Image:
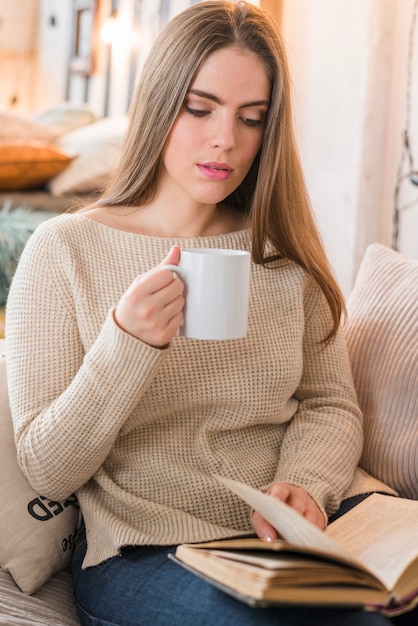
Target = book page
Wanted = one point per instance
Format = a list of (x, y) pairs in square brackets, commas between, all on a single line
[(382, 533), (291, 525)]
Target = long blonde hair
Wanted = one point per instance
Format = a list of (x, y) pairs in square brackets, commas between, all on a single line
[(273, 194)]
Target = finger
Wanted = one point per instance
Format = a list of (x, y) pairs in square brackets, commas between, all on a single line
[(158, 308), (294, 496), (149, 304), (315, 516), (281, 491), (155, 327), (173, 308), (263, 529), (300, 500), (172, 258), (156, 280)]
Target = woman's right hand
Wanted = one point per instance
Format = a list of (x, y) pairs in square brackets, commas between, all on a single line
[(151, 309)]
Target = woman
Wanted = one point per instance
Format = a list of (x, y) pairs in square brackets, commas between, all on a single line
[(110, 402)]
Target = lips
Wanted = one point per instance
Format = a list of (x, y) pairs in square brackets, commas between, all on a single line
[(216, 171), (218, 166)]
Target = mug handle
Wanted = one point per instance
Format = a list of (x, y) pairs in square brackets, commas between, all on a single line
[(173, 268)]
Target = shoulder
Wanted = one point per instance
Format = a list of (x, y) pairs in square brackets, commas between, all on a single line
[(61, 230), (300, 287), (57, 240), (54, 226), (288, 272)]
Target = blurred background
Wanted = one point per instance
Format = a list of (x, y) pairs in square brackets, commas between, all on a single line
[(354, 65)]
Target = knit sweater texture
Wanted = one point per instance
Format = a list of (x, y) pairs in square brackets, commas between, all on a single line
[(137, 432)]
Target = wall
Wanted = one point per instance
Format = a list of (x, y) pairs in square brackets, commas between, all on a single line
[(405, 117), (54, 85), (18, 49), (55, 24), (348, 60)]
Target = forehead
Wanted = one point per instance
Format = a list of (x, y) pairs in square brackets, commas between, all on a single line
[(233, 69)]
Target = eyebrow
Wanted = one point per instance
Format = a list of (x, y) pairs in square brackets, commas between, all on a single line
[(210, 96)]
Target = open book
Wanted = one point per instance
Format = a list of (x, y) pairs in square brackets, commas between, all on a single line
[(368, 557)]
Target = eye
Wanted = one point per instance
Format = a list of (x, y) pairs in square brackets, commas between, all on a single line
[(196, 112), (250, 122)]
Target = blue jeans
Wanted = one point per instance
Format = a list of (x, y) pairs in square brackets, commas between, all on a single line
[(144, 587)]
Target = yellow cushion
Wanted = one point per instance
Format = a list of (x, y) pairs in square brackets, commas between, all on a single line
[(29, 164)]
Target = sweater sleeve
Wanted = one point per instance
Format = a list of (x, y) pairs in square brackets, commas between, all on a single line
[(323, 441), (68, 406)]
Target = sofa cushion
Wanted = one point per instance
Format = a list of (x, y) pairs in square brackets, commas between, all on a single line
[(64, 117), (382, 337), (96, 148), (36, 534), (28, 164), (15, 229), (52, 605), (14, 127)]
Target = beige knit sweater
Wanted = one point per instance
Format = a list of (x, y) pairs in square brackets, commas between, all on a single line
[(136, 431)]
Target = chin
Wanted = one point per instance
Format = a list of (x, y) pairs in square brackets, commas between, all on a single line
[(211, 199)]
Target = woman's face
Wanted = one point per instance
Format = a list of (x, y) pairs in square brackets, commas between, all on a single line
[(219, 129)]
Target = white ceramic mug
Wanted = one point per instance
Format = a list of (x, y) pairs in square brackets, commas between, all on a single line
[(217, 288)]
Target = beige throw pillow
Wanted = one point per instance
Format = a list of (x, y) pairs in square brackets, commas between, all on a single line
[(16, 127), (382, 336), (36, 534)]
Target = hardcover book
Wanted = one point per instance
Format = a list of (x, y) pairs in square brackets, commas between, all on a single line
[(366, 558)]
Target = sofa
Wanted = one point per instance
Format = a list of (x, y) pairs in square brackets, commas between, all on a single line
[(51, 158), (53, 161), (36, 535)]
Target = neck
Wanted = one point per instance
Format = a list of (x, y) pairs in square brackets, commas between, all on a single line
[(169, 220), (193, 221)]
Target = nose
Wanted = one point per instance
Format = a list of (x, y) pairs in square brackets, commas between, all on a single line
[(223, 133)]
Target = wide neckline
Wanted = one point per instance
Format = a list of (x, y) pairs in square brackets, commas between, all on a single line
[(232, 234)]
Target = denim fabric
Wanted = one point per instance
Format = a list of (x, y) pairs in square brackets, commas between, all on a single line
[(144, 587)]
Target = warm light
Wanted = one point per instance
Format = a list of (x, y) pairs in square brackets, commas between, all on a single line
[(109, 30), (117, 31)]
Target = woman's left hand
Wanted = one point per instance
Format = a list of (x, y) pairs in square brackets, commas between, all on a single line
[(298, 499)]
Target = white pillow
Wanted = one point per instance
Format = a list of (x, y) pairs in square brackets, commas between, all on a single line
[(96, 148), (382, 337), (65, 117), (36, 534)]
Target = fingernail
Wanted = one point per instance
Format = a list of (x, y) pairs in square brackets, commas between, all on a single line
[(268, 537)]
